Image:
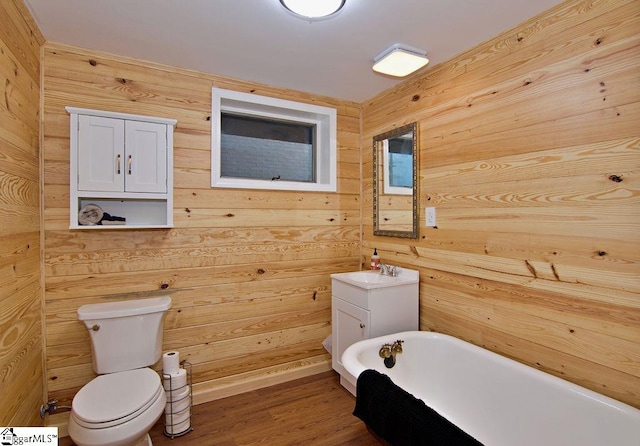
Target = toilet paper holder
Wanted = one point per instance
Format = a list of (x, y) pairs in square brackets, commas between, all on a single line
[(179, 402)]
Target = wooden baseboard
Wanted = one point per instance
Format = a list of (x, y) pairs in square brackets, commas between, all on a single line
[(246, 382)]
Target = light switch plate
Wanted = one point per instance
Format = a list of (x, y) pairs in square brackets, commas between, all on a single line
[(430, 212)]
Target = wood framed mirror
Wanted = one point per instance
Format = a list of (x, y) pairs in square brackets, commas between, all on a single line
[(395, 182)]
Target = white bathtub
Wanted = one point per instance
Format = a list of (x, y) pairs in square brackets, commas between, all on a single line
[(498, 401)]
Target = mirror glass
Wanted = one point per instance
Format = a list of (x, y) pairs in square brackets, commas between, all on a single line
[(395, 182)]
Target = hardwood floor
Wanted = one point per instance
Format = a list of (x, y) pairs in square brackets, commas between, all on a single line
[(310, 411)]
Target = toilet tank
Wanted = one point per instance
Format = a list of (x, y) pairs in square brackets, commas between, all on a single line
[(125, 335)]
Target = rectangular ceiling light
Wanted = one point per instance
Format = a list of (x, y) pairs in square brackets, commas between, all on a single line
[(400, 60)]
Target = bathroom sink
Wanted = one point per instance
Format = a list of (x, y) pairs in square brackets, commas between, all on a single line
[(368, 277), (373, 279)]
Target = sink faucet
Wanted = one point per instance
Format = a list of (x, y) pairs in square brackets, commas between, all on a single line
[(388, 270)]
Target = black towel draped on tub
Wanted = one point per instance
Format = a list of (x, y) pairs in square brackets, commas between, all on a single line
[(402, 419)]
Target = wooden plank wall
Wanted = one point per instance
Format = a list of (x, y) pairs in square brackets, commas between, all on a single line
[(530, 152), (248, 270), (21, 360)]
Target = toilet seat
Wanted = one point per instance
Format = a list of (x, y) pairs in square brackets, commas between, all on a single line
[(115, 398)]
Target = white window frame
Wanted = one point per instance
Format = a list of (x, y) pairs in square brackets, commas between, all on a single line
[(324, 118)]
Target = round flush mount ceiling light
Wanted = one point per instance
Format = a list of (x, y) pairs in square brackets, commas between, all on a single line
[(313, 9)]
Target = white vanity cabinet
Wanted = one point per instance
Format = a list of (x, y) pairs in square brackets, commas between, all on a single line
[(122, 163), (364, 305)]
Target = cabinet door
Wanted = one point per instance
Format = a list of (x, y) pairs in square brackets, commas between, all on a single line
[(146, 157), (350, 325), (100, 154)]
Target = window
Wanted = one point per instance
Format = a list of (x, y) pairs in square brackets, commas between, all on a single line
[(265, 143), (398, 165)]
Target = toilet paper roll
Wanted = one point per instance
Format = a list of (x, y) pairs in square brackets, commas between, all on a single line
[(178, 406), (175, 381), (170, 363), (178, 428), (177, 418), (176, 396)]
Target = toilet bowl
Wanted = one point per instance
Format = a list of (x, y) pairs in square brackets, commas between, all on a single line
[(117, 409), (121, 405)]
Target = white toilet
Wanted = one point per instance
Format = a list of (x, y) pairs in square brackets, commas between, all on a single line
[(119, 407)]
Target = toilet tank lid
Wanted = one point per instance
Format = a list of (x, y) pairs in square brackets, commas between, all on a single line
[(124, 308)]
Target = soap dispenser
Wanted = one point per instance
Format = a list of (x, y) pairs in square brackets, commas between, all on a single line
[(375, 260)]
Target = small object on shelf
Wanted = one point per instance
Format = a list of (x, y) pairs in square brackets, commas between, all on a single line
[(90, 215), (108, 219)]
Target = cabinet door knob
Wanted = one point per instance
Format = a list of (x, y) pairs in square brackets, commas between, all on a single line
[(129, 164), (118, 163), (362, 325)]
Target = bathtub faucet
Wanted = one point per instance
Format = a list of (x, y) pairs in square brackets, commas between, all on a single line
[(388, 270), (389, 351)]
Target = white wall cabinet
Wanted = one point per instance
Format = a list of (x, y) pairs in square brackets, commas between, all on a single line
[(364, 310), (122, 163)]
